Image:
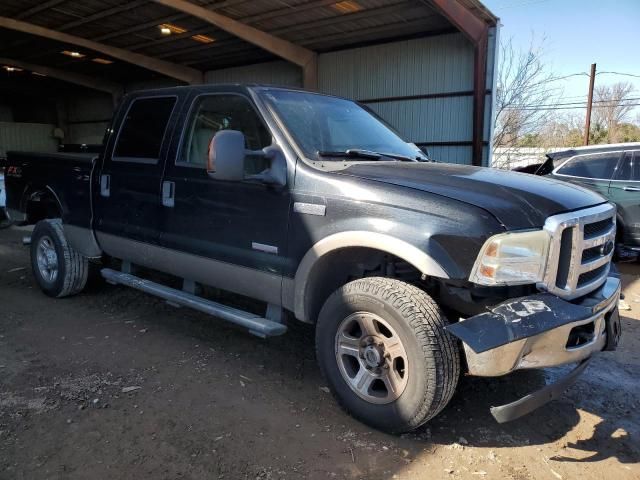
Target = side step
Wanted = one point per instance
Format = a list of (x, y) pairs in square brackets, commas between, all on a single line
[(258, 326)]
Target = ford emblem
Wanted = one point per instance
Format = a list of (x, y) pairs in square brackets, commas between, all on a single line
[(606, 249)]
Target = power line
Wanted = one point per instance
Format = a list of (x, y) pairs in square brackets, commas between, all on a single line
[(621, 101), (563, 108), (620, 73)]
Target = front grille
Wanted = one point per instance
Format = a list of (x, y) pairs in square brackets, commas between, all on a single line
[(597, 228), (593, 275), (581, 250)]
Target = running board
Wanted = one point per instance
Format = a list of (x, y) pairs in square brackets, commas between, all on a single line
[(256, 325)]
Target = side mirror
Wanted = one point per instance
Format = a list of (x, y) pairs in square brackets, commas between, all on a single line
[(276, 174), (226, 155)]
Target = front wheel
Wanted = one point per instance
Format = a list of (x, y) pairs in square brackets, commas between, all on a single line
[(382, 347), (59, 270)]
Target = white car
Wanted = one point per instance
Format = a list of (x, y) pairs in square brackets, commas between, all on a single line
[(4, 220)]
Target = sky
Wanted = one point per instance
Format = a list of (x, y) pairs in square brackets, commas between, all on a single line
[(578, 33)]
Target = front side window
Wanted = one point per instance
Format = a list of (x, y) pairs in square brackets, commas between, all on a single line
[(595, 165), (143, 129), (630, 167), (321, 123), (214, 113)]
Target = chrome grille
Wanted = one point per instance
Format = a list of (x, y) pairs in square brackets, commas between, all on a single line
[(578, 263)]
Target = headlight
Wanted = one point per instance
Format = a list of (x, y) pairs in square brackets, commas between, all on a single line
[(512, 259)]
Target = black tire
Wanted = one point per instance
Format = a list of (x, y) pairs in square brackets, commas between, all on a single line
[(433, 355), (72, 268)]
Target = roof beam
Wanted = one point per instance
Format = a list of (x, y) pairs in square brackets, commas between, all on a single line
[(373, 12), (305, 58), (102, 14), (38, 8), (280, 12), (75, 78), (464, 20), (180, 72), (169, 19)]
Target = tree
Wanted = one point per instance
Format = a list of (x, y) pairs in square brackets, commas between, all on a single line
[(612, 108), (524, 93)]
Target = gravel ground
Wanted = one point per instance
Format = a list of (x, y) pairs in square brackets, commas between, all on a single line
[(116, 384)]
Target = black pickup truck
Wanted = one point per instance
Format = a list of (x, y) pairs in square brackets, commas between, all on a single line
[(410, 270)]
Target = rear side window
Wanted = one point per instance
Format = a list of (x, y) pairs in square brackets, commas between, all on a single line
[(143, 130), (595, 165), (630, 167)]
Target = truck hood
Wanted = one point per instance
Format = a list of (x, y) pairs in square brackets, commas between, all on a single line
[(517, 200)]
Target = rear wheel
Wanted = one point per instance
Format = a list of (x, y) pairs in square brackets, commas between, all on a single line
[(382, 347), (59, 270)]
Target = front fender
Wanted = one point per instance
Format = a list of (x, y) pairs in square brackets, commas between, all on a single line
[(363, 239)]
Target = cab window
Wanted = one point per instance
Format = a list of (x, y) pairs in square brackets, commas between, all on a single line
[(214, 113), (594, 165)]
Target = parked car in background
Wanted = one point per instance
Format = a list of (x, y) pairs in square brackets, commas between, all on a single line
[(4, 219), (611, 170)]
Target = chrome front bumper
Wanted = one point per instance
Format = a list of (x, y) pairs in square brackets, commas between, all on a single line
[(538, 331)]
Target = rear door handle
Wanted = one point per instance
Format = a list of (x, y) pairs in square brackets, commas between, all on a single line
[(105, 185), (631, 189), (168, 194)]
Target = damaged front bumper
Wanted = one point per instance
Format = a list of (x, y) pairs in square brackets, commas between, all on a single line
[(540, 331)]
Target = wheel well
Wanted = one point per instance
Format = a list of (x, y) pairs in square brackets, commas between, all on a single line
[(41, 204), (619, 229), (344, 265)]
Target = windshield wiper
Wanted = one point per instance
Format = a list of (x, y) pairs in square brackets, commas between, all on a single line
[(352, 152), (357, 152)]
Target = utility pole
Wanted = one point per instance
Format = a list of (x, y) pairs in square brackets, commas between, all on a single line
[(587, 123)]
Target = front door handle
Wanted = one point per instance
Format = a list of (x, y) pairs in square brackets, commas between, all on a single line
[(631, 189), (105, 185), (168, 194)]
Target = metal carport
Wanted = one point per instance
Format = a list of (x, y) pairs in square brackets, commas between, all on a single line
[(424, 65)]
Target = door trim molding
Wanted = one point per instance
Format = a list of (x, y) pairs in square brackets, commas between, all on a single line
[(246, 281)]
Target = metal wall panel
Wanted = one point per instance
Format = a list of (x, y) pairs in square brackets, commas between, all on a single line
[(430, 120), (425, 66), (450, 154), (455, 154), (30, 137), (87, 118), (271, 73), (89, 133), (439, 64)]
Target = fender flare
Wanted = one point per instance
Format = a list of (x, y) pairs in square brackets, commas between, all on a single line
[(30, 190), (378, 241)]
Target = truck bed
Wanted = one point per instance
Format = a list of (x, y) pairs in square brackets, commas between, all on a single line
[(27, 174)]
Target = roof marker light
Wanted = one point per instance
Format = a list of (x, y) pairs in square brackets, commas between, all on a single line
[(169, 28), (347, 6)]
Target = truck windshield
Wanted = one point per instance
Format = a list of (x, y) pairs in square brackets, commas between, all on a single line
[(333, 128)]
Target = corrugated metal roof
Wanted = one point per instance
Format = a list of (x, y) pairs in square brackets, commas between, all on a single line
[(133, 24)]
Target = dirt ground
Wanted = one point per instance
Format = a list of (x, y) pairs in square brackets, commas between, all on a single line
[(116, 384)]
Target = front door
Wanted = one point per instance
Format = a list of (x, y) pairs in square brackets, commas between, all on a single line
[(624, 191), (230, 234), (128, 205)]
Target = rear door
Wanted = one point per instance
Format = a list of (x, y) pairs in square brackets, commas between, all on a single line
[(128, 206), (624, 191)]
